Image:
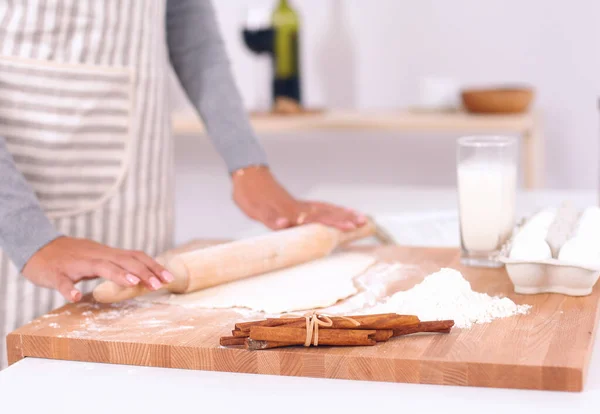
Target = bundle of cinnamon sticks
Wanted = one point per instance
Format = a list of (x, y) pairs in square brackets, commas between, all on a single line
[(315, 330)]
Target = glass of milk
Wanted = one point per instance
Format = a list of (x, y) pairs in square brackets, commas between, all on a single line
[(487, 184)]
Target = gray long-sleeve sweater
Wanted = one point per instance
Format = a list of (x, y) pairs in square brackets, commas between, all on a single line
[(198, 56)]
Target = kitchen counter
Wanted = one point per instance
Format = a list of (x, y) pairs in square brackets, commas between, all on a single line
[(64, 386)]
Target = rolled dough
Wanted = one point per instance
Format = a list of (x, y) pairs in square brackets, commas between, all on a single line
[(313, 285)]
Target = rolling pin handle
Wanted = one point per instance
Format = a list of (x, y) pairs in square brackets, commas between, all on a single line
[(110, 292), (179, 270)]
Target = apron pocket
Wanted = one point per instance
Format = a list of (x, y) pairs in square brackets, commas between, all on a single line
[(68, 128)]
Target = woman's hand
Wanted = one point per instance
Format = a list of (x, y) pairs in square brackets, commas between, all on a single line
[(66, 260), (262, 198)]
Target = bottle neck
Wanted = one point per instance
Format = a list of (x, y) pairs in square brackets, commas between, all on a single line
[(283, 4)]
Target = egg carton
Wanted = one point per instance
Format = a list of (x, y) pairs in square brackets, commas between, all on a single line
[(549, 275)]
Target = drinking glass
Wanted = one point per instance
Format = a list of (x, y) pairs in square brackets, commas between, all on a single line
[(487, 183)]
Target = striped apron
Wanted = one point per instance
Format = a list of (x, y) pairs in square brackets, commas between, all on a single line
[(84, 113)]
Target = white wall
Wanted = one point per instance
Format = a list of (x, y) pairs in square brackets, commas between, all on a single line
[(370, 54)]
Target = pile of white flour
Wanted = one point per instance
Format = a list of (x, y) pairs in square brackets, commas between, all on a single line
[(447, 295)]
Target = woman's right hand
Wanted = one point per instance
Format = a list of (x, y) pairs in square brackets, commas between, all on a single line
[(65, 261)]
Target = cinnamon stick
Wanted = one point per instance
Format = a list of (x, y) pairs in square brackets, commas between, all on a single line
[(297, 336), (379, 321), (245, 326), (231, 341), (254, 345), (266, 337), (370, 322), (382, 335), (432, 326)]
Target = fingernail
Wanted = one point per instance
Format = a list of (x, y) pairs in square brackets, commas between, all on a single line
[(361, 219), (154, 283), (350, 225), (75, 295), (133, 280), (167, 276), (282, 222)]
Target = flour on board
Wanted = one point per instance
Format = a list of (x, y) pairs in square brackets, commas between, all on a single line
[(447, 295)]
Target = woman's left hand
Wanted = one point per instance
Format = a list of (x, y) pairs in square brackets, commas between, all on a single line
[(262, 198)]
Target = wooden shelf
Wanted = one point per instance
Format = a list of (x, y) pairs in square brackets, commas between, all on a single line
[(527, 125), (189, 123)]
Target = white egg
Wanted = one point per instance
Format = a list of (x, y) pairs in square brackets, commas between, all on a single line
[(540, 222), (532, 232), (591, 213), (543, 218), (588, 225), (530, 248), (588, 232), (580, 251)]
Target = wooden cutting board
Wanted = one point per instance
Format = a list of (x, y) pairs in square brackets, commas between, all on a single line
[(548, 349)]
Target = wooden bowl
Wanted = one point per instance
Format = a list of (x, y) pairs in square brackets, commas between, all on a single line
[(506, 100)]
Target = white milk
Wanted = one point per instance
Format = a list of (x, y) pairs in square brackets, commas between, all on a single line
[(486, 196)]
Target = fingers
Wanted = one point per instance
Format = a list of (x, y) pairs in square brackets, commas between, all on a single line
[(110, 271), (124, 267), (274, 217), (282, 223), (359, 218), (66, 288), (262, 198), (143, 268), (281, 216), (277, 221), (333, 221), (162, 273), (274, 208), (338, 217), (65, 261)]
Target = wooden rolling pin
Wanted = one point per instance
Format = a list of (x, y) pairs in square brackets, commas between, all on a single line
[(222, 263)]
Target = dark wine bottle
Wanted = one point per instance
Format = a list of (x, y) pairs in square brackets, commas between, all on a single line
[(286, 53)]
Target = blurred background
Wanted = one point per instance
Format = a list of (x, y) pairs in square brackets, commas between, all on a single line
[(405, 57)]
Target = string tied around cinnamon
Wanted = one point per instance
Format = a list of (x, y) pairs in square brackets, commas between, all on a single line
[(316, 320)]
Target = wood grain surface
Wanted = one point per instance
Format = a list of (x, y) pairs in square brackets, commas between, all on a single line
[(548, 349)]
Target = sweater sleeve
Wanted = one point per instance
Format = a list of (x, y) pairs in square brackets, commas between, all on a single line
[(24, 228), (200, 61)]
